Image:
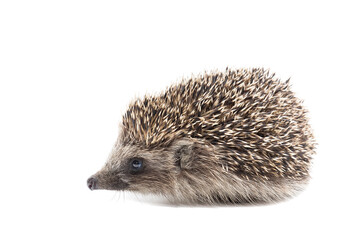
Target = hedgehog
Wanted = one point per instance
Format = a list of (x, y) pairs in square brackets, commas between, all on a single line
[(237, 136)]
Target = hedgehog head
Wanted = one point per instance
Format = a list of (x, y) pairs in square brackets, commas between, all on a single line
[(164, 170)]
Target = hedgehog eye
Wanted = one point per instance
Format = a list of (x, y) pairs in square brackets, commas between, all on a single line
[(136, 164)]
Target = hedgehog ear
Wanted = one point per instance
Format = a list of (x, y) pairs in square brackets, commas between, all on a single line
[(184, 154)]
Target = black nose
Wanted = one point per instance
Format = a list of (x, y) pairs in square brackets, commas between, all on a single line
[(91, 182)]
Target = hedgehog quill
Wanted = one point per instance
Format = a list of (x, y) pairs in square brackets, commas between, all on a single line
[(238, 136)]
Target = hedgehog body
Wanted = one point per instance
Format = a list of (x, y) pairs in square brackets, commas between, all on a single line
[(234, 136)]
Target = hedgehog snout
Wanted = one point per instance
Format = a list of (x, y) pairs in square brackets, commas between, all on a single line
[(91, 183)]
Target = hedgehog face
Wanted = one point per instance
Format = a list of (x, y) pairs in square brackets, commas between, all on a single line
[(169, 171), (136, 168)]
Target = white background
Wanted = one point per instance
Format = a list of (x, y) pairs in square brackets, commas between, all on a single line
[(68, 69)]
